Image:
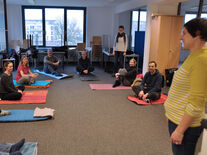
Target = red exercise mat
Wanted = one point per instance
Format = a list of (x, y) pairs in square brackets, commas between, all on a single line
[(37, 96), (107, 87), (141, 102)]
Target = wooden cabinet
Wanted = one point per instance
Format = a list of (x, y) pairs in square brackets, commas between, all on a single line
[(165, 41)]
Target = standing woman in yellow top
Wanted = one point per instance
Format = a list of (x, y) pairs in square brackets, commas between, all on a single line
[(185, 106)]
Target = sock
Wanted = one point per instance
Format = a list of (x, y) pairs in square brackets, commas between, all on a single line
[(15, 153), (17, 146)]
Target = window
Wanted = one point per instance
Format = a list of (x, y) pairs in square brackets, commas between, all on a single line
[(204, 15), (2, 27), (75, 26), (138, 23), (54, 26), (189, 16), (33, 21), (142, 22), (134, 27)]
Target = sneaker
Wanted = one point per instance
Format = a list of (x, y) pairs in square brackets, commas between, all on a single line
[(4, 112), (58, 74), (147, 100), (117, 83)]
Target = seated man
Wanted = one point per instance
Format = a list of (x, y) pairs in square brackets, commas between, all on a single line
[(150, 88), (51, 64), (84, 66)]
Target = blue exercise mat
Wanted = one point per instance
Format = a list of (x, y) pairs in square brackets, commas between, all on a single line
[(37, 83), (22, 116), (53, 76)]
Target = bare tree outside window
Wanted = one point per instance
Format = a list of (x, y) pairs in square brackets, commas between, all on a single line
[(54, 27), (75, 26)]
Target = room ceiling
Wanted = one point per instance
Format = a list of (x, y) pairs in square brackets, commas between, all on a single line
[(86, 3)]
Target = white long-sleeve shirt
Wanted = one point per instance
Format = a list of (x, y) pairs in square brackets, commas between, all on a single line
[(120, 45)]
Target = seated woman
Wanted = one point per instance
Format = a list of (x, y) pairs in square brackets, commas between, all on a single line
[(24, 74), (7, 89), (126, 76)]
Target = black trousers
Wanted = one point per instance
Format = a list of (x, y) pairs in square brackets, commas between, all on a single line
[(81, 69), (124, 81), (13, 95), (151, 95), (118, 61)]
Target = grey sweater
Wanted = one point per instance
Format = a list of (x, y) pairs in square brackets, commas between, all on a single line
[(6, 84), (50, 60)]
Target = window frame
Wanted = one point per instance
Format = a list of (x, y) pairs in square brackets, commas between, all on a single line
[(138, 24), (43, 22)]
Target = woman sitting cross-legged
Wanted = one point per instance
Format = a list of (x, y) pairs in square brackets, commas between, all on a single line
[(126, 76), (24, 74), (7, 89)]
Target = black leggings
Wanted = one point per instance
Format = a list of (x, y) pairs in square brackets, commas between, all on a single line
[(13, 95), (151, 95)]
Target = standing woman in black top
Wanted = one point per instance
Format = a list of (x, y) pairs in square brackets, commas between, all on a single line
[(7, 89)]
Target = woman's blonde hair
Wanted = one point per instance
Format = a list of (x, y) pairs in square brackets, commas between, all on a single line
[(135, 62), (21, 62)]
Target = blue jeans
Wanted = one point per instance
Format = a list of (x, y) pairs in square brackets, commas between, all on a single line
[(50, 69), (190, 139)]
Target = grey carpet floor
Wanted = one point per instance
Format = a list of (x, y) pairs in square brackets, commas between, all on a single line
[(89, 122)]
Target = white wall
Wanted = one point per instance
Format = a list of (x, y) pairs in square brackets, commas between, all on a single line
[(121, 19), (124, 19), (99, 22), (14, 21)]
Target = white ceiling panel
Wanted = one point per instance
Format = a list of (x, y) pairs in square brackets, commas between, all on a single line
[(86, 3)]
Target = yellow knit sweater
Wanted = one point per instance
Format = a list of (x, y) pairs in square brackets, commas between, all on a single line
[(188, 92)]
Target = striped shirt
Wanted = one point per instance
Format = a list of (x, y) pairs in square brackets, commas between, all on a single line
[(188, 92)]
